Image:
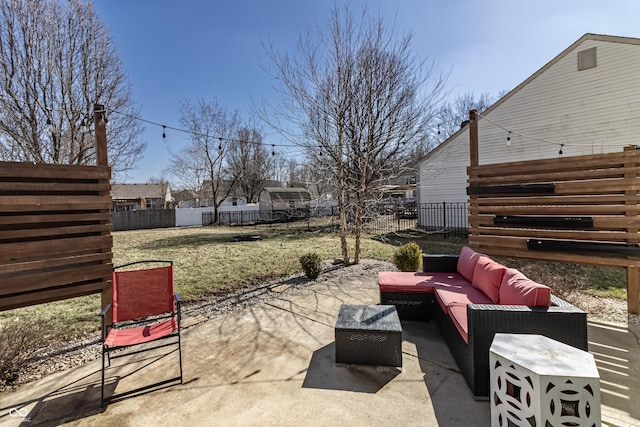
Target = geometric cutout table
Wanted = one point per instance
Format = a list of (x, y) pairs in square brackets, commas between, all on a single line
[(537, 381)]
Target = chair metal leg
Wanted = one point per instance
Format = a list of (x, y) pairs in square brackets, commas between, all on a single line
[(180, 354), (102, 387)]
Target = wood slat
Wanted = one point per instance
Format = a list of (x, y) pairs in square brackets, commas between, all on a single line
[(33, 251), (538, 233), (49, 232), (586, 210), (554, 200), (30, 171), (44, 264), (53, 187), (517, 177), (555, 257), (542, 166), (56, 204), (79, 217), (56, 294), (604, 223), (43, 280)]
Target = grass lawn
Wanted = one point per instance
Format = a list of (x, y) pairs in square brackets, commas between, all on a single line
[(208, 262)]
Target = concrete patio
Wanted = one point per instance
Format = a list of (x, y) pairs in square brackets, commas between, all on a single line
[(273, 364)]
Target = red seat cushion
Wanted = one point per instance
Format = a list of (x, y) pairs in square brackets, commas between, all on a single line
[(487, 277), (451, 296), (517, 289), (138, 335), (397, 281), (458, 314)]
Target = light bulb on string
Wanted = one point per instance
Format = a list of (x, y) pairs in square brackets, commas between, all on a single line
[(164, 133), (560, 152), (439, 129), (220, 146), (273, 149), (509, 138)]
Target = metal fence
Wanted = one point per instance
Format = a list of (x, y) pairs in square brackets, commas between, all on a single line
[(446, 219)]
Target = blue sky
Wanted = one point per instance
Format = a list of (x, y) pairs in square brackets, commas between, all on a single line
[(200, 49)]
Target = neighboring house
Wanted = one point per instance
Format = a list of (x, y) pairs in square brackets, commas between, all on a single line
[(131, 197), (586, 100)]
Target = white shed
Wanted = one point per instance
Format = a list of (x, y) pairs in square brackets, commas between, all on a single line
[(586, 100)]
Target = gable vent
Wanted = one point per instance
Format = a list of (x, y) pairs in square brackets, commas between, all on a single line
[(587, 59)]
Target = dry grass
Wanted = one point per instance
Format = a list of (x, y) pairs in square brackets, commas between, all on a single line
[(207, 262)]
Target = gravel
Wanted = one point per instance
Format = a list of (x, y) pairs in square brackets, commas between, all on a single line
[(59, 357)]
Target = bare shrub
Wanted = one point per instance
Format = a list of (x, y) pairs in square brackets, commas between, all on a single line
[(21, 338)]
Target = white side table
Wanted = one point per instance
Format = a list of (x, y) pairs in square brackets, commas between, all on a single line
[(539, 381)]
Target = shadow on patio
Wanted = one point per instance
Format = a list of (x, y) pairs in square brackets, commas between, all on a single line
[(274, 364)]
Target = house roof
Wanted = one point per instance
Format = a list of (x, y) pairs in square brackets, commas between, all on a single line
[(587, 36), (137, 191)]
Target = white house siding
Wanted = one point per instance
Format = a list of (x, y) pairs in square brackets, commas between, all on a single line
[(591, 111)]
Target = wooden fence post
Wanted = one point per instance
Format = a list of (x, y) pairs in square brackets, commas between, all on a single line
[(100, 125)]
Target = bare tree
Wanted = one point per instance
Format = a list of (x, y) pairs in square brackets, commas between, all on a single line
[(250, 161), (56, 60), (201, 166), (451, 116), (360, 101)]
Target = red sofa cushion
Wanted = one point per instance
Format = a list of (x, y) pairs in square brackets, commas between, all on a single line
[(399, 281), (517, 289), (458, 314), (487, 277), (467, 262), (464, 295)]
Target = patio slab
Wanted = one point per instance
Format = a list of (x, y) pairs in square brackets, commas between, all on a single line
[(273, 364)]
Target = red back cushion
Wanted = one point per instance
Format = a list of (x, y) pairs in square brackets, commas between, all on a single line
[(142, 293), (487, 277), (518, 289), (467, 262)]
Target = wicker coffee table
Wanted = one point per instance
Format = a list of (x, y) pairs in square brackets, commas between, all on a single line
[(369, 335)]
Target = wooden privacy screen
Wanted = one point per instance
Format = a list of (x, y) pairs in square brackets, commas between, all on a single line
[(581, 209), (55, 230)]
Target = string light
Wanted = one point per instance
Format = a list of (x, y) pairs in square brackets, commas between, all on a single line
[(509, 138), (164, 134), (560, 152), (560, 144), (439, 129), (273, 149)]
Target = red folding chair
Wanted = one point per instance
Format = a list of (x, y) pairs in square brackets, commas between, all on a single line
[(144, 309)]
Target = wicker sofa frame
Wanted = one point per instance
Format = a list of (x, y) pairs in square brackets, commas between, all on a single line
[(561, 321)]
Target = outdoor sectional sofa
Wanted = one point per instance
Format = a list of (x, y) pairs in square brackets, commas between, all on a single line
[(472, 297)]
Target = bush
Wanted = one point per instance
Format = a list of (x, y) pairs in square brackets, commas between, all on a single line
[(21, 339), (311, 265), (408, 257)]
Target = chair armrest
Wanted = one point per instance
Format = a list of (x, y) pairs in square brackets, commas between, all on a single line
[(564, 323), (439, 263), (178, 299), (103, 315), (105, 309)]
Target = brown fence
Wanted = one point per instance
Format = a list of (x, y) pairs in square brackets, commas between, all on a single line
[(581, 209), (55, 230), (143, 219)]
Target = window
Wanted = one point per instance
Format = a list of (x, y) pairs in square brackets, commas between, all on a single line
[(587, 59)]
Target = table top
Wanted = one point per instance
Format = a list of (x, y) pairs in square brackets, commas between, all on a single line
[(369, 317), (544, 356)]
